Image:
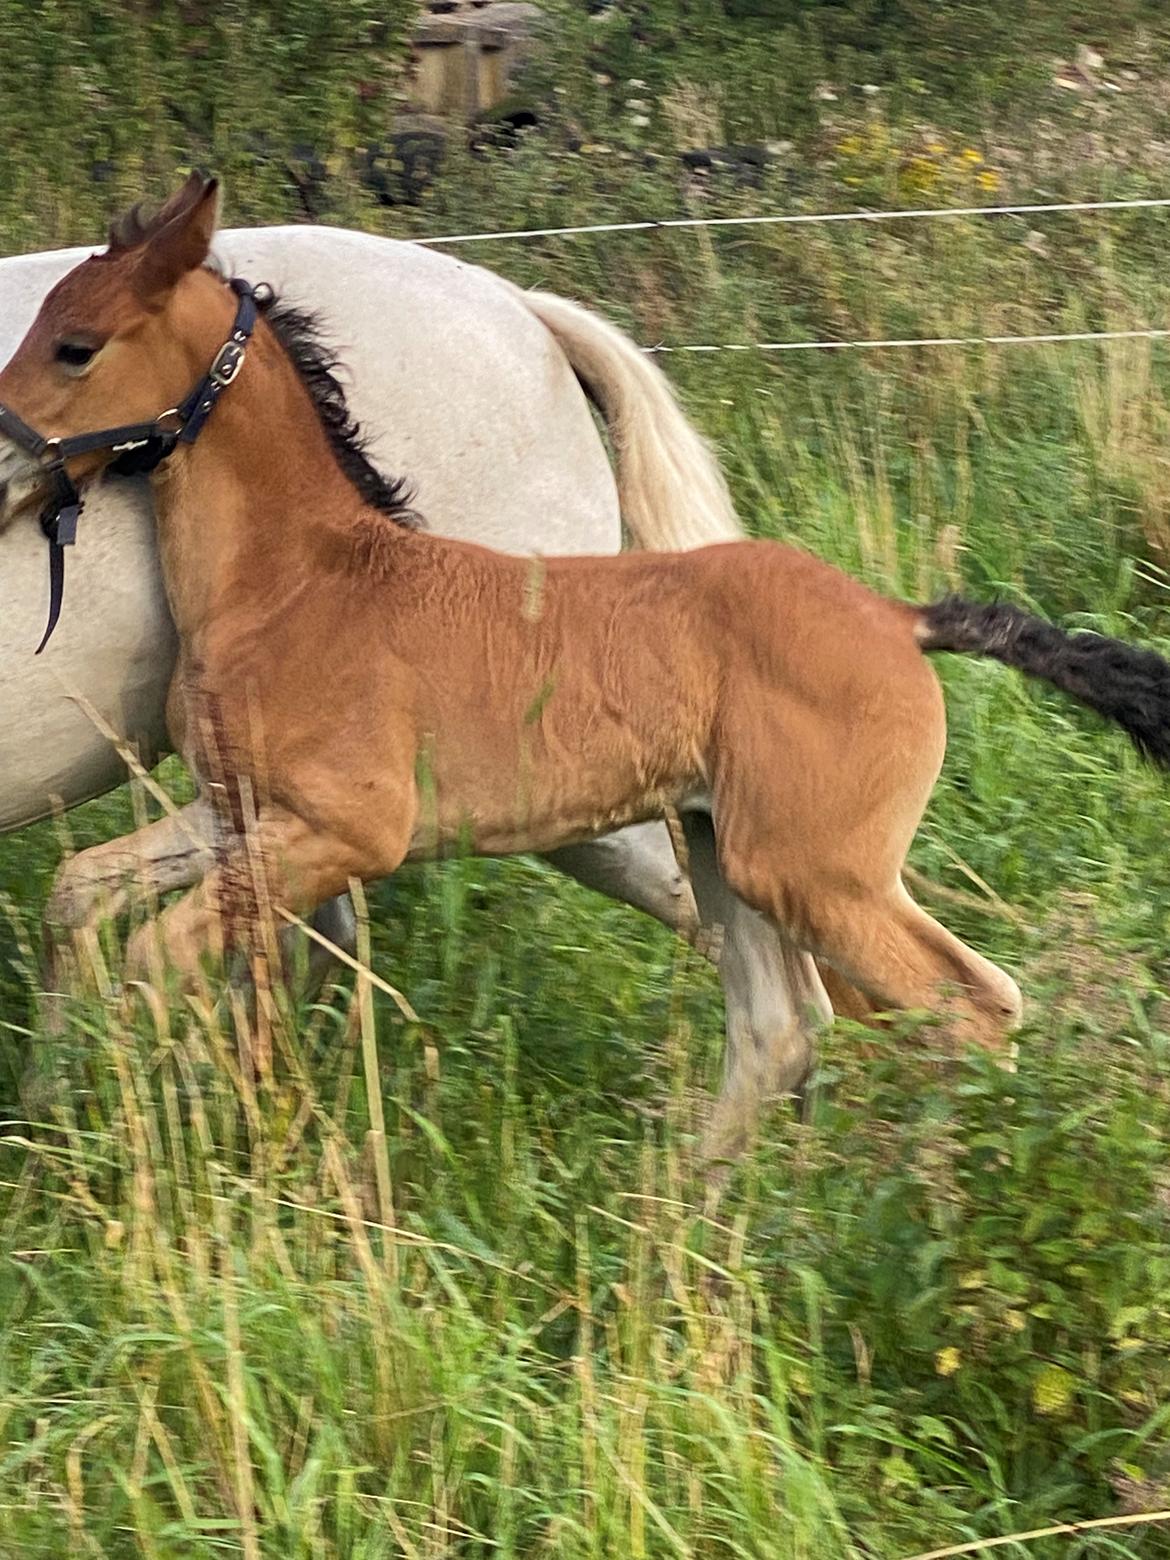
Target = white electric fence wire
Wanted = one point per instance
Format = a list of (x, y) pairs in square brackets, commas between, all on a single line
[(790, 219), (794, 219), (919, 341)]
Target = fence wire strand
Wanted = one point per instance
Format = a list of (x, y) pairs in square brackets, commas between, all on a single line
[(793, 219), (803, 219), (895, 342)]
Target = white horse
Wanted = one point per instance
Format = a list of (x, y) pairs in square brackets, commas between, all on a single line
[(473, 391)]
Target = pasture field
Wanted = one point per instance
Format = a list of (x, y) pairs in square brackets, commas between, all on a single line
[(237, 1319)]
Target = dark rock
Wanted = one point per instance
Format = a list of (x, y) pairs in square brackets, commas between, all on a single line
[(746, 163), (398, 171)]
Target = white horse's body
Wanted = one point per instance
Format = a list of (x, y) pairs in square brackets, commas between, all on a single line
[(472, 393), (459, 387)]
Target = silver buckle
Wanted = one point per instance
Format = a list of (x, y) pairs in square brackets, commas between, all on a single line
[(228, 362)]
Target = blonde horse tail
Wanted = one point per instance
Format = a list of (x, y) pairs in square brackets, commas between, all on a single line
[(671, 490)]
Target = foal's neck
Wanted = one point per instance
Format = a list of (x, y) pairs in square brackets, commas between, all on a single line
[(243, 517)]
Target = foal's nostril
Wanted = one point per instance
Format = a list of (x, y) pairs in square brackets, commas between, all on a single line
[(3, 496)]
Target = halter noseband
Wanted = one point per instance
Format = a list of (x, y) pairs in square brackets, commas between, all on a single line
[(137, 447)]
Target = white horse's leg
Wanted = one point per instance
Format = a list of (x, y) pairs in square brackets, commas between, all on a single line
[(636, 865), (335, 919), (774, 1000)]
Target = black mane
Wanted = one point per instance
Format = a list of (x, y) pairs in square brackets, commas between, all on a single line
[(299, 333)]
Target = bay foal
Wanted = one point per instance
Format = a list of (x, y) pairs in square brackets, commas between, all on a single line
[(388, 695)]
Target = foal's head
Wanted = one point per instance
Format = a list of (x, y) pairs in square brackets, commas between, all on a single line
[(119, 340)]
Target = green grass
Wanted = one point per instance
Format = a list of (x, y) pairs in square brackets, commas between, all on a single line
[(941, 1309), (938, 1310)]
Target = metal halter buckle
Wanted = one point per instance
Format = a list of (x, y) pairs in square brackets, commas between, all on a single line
[(228, 362)]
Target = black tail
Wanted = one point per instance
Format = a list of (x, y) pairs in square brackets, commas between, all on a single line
[(1124, 684)]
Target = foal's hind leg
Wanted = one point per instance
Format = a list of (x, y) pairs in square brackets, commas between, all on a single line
[(903, 958), (852, 910), (880, 941), (815, 811)]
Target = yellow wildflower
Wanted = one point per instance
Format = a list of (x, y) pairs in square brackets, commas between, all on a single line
[(1053, 1391), (850, 146), (921, 173), (936, 148), (947, 1361), (971, 156), (987, 180)]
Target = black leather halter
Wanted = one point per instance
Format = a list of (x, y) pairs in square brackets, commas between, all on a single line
[(136, 447)]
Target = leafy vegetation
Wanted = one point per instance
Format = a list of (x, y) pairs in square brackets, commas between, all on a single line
[(103, 98), (938, 1310), (776, 63)]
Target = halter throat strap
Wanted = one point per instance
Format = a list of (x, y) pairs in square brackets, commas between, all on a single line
[(137, 448)]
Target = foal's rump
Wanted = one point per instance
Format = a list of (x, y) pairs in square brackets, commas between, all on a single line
[(829, 737), (846, 652)]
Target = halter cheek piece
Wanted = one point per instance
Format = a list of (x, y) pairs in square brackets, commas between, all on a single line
[(137, 447)]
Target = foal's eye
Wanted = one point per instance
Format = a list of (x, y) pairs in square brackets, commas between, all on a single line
[(75, 354)]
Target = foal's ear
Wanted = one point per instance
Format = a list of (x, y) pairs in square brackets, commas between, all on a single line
[(179, 240)]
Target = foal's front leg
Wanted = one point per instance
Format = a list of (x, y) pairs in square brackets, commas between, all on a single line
[(299, 868), (108, 879)]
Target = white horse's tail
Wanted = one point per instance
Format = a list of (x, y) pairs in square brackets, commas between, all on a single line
[(671, 490)]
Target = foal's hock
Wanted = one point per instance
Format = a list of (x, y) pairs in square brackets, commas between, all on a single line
[(391, 695)]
